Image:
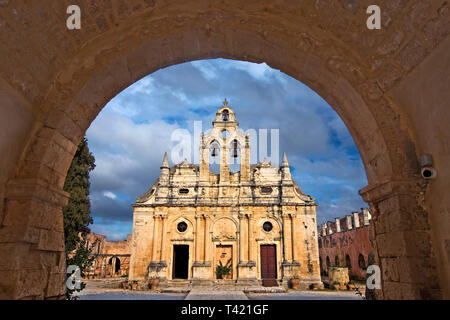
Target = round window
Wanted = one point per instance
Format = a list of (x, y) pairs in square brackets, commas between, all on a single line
[(182, 226), (267, 226)]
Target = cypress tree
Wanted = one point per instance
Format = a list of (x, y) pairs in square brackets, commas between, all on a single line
[(77, 211)]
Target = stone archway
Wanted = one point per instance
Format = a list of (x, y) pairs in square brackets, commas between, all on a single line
[(57, 92)]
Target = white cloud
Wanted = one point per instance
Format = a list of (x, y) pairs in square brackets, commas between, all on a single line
[(109, 194)]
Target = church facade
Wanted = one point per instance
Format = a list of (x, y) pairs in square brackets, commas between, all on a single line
[(256, 220)]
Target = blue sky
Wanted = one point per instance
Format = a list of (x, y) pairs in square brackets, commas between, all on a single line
[(131, 134)]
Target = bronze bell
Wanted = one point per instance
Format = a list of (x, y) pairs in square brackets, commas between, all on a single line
[(235, 151), (214, 152)]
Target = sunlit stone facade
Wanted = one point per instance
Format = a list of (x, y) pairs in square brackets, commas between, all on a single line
[(257, 219)]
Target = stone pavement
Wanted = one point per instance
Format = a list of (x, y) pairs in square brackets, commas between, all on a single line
[(95, 291), (306, 295), (215, 294)]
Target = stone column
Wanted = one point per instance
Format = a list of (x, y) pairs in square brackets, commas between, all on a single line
[(163, 239), (197, 239), (241, 239), (207, 252), (285, 240), (250, 233), (294, 237), (402, 244), (155, 238)]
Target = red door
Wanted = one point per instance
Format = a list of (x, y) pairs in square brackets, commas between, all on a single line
[(268, 265)]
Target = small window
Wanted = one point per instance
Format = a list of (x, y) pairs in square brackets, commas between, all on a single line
[(182, 226), (184, 191), (361, 262), (267, 226), (225, 134), (266, 190)]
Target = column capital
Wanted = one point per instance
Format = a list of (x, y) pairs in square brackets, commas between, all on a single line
[(377, 192)]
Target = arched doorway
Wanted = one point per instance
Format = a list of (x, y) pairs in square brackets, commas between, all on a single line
[(50, 106)]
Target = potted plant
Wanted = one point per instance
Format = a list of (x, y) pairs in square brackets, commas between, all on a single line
[(351, 285), (223, 270), (336, 285), (295, 282), (153, 283)]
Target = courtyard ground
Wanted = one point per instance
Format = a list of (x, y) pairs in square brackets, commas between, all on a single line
[(213, 294)]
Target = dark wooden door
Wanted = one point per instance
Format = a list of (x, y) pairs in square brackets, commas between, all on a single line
[(180, 262), (268, 265)]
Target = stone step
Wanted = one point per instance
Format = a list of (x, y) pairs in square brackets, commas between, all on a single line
[(176, 290), (261, 289), (179, 283)]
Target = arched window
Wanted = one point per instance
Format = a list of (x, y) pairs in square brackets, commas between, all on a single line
[(361, 262), (336, 260), (225, 115), (328, 261), (214, 157), (235, 156), (348, 262)]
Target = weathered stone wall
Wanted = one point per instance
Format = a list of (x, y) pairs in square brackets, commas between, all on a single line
[(382, 83), (108, 255), (344, 238)]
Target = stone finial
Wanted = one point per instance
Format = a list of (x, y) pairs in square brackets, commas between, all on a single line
[(285, 162), (366, 216), (165, 163), (349, 222), (338, 225), (330, 230), (356, 219), (324, 229), (225, 102)]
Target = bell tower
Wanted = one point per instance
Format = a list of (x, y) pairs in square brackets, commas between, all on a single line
[(226, 141)]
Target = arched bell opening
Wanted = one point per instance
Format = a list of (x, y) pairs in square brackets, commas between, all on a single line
[(214, 157), (235, 156)]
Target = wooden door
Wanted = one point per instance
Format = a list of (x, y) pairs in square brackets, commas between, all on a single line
[(268, 265), (224, 254)]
